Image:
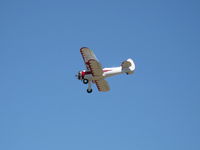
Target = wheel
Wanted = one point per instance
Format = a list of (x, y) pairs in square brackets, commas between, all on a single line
[(89, 90), (85, 81)]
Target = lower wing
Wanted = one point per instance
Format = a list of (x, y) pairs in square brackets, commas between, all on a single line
[(102, 85)]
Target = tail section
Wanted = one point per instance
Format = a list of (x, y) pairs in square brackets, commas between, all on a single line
[(128, 66)]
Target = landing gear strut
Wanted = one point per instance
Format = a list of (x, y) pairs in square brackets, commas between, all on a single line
[(89, 90)]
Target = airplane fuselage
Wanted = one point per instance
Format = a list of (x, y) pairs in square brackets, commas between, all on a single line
[(107, 72), (95, 74)]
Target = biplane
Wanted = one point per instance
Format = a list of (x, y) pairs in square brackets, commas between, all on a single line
[(94, 72)]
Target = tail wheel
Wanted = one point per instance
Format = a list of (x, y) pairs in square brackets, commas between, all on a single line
[(89, 90), (85, 81)]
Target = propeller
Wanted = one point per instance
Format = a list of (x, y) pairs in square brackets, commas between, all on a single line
[(78, 75)]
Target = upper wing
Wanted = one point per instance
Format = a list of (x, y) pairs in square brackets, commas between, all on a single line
[(95, 68), (102, 85), (87, 55)]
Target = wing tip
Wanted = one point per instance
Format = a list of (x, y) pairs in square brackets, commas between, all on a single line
[(82, 48)]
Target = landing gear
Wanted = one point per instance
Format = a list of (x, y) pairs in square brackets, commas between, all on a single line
[(85, 81), (89, 90)]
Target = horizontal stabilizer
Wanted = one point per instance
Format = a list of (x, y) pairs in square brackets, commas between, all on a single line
[(126, 64)]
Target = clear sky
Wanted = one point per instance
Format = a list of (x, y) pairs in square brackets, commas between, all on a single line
[(44, 107)]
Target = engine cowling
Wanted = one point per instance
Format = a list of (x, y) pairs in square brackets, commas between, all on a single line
[(80, 75), (83, 75)]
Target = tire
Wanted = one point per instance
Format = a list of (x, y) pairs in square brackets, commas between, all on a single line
[(89, 90), (85, 81)]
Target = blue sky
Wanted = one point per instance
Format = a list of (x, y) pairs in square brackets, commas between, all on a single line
[(42, 104)]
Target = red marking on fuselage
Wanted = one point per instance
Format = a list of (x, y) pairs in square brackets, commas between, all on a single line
[(83, 73), (107, 70), (88, 72)]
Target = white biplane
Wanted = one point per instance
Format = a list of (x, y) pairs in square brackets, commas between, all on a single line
[(94, 72)]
